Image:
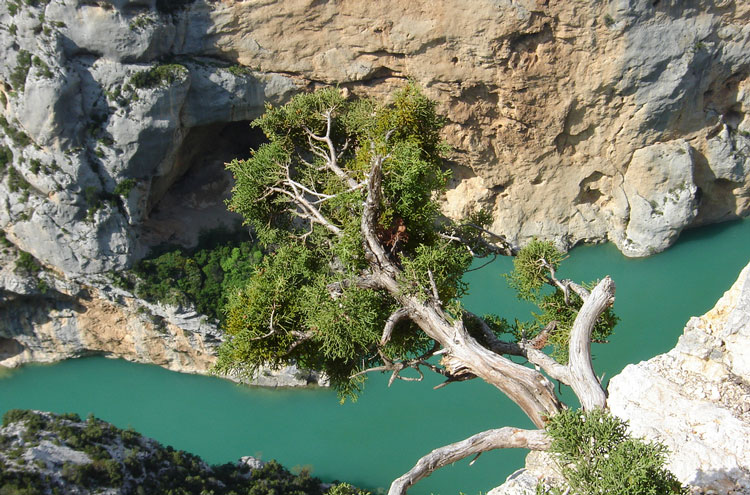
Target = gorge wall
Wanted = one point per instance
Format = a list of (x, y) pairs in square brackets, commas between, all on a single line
[(624, 120)]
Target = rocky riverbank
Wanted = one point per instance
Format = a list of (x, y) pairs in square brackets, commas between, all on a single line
[(46, 454)]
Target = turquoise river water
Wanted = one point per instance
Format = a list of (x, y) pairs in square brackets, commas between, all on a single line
[(381, 436)]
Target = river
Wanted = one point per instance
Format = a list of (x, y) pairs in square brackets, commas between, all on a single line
[(379, 437)]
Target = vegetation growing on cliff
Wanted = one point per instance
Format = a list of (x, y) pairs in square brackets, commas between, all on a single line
[(125, 461), (205, 277), (158, 75), (363, 275), (597, 455)]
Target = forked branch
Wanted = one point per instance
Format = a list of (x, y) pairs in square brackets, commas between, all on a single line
[(502, 438)]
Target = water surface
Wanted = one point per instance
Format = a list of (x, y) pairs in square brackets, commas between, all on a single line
[(381, 436)]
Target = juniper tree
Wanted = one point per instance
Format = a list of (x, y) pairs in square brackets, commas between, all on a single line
[(364, 275)]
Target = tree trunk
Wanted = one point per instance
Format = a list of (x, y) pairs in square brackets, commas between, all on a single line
[(527, 387)]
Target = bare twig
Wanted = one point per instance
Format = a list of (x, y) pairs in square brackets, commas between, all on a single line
[(501, 438), (434, 287), (391, 322)]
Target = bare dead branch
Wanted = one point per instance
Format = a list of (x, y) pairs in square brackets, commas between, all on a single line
[(433, 287), (309, 212), (301, 338), (330, 157), (584, 381), (391, 322), (564, 285), (501, 244), (374, 251), (454, 379), (336, 289), (501, 438)]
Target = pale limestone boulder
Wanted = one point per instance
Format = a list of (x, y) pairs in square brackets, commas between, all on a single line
[(661, 195), (696, 398)]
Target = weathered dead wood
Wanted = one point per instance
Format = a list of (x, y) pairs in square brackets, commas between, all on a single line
[(391, 322), (502, 438), (584, 382)]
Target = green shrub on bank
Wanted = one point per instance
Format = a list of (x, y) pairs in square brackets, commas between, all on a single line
[(141, 467), (203, 278), (596, 455)]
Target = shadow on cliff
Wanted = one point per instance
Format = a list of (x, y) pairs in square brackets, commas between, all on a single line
[(735, 481)]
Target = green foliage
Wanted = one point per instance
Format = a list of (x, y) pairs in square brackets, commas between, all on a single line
[(445, 262), (16, 181), (292, 290), (596, 455), (27, 263), (528, 277), (160, 75), (529, 273), (554, 308), (239, 70), (44, 69), (206, 278), (140, 22), (34, 166), (18, 136), (18, 75), (93, 198), (6, 158), (124, 187), (144, 467)]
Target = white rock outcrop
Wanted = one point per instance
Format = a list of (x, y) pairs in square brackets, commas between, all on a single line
[(661, 197), (695, 399)]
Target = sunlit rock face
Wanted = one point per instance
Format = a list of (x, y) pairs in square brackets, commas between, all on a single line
[(696, 398), (554, 111)]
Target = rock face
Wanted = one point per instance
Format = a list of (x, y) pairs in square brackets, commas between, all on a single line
[(47, 318), (695, 399), (624, 121)]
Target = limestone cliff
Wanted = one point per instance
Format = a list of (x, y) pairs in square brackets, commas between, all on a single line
[(695, 399), (623, 120)]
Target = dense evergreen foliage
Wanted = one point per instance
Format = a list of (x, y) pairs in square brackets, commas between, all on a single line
[(363, 274), (204, 277), (597, 455), (130, 463), (286, 312)]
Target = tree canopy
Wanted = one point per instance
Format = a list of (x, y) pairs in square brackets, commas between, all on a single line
[(363, 274)]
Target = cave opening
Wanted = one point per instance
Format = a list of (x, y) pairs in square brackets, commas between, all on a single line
[(189, 200), (9, 348)]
